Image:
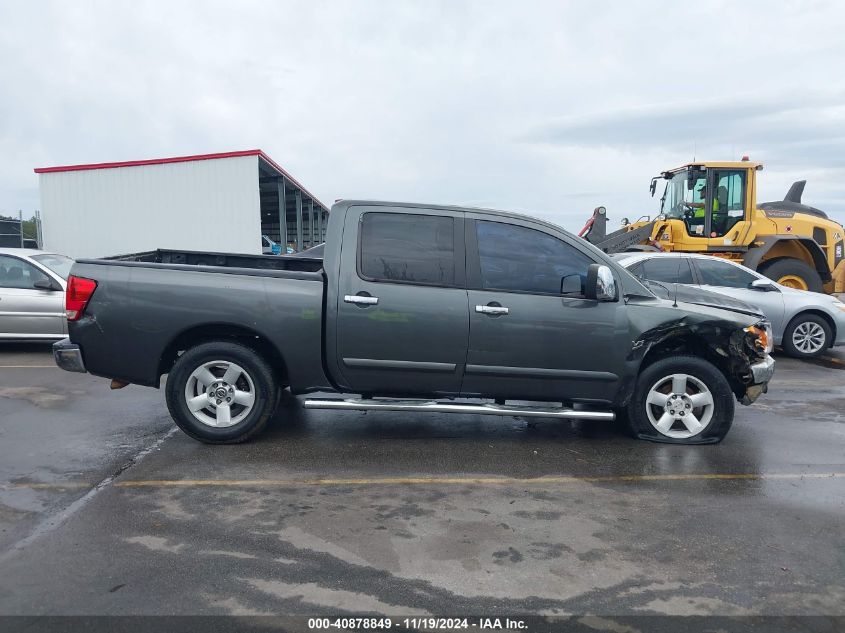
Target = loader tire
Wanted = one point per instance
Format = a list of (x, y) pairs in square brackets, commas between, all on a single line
[(792, 273)]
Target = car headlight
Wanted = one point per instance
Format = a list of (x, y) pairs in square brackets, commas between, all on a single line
[(838, 304), (763, 332)]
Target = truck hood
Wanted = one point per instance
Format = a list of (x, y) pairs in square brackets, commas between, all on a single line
[(697, 296)]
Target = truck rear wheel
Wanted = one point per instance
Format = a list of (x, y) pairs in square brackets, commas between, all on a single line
[(681, 400), (221, 392), (792, 273)]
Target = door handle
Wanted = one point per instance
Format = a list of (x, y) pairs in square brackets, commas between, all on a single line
[(491, 309), (361, 300)]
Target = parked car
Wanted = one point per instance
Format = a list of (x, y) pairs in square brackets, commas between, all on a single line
[(804, 323), (32, 294), (416, 308)]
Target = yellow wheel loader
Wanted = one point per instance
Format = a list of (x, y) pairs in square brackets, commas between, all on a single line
[(711, 207)]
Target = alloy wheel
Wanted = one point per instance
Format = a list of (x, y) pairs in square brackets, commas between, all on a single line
[(808, 337), (220, 393), (679, 406)]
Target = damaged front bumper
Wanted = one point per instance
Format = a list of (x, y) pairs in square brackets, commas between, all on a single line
[(764, 370), (761, 374)]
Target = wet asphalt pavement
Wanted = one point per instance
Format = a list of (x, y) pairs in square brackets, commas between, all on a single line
[(105, 510)]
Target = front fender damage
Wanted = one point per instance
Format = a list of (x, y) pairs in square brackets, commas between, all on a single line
[(730, 347), (746, 351)]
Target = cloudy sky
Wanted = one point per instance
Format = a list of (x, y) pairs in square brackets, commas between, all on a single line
[(546, 107)]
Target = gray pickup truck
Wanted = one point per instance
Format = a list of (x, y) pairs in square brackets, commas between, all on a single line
[(416, 308)]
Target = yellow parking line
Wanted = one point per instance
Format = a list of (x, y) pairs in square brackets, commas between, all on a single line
[(29, 366), (417, 481), (35, 485), (412, 481)]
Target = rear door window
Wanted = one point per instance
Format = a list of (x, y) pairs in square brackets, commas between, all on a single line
[(407, 248), (673, 270)]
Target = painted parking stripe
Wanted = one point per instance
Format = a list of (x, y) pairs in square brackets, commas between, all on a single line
[(416, 481), (412, 481), (37, 485), (29, 366)]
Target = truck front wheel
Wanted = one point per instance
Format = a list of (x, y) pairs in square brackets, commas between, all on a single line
[(221, 392), (681, 400)]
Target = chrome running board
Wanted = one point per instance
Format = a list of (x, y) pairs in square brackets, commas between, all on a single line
[(432, 406)]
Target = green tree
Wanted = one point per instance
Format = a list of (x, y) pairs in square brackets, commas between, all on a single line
[(29, 228)]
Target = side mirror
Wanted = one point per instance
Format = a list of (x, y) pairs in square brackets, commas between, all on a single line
[(571, 285), (46, 284), (601, 284), (763, 285)]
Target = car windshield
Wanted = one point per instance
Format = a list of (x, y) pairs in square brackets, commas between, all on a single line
[(59, 264)]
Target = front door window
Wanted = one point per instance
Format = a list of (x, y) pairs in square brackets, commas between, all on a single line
[(519, 259), (714, 272), (16, 273)]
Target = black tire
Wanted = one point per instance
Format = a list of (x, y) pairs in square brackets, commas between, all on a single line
[(264, 383), (777, 269), (720, 415), (809, 322)]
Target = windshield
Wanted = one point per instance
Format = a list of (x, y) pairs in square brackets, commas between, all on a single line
[(679, 197), (59, 264)]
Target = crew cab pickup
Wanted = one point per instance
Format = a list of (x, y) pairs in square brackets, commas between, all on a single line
[(416, 308)]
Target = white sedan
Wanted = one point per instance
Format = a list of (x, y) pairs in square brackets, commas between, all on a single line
[(804, 323), (32, 295)]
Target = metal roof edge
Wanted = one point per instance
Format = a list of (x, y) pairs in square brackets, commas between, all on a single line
[(183, 159), (150, 161)]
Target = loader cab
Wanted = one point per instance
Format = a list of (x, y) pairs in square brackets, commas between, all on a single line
[(712, 200)]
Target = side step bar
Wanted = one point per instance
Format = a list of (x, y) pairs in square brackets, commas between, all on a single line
[(450, 407)]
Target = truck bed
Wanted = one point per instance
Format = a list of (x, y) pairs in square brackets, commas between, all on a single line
[(225, 260), (147, 306)]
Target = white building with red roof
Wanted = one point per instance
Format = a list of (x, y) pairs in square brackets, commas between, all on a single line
[(223, 202)]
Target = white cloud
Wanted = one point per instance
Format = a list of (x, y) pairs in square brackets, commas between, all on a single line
[(537, 106)]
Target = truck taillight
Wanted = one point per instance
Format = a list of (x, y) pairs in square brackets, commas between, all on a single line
[(79, 291)]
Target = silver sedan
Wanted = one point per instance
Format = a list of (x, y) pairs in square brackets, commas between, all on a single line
[(804, 323), (32, 295)]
